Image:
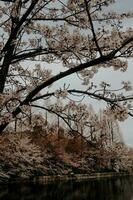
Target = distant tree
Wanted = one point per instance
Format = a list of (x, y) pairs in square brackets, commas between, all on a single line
[(81, 35)]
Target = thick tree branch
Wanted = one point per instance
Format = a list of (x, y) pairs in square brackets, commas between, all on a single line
[(9, 46), (101, 59), (80, 67)]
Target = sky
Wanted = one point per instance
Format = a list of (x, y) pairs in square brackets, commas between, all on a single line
[(111, 76), (127, 126)]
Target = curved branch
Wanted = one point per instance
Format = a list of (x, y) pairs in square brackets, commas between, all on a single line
[(80, 134), (34, 92)]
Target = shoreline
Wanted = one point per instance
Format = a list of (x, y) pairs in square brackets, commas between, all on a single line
[(74, 177), (78, 177)]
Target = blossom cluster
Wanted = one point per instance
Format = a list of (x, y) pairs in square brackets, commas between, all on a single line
[(61, 93), (119, 113)]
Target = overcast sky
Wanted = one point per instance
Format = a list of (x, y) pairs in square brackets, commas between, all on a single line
[(127, 126), (113, 77)]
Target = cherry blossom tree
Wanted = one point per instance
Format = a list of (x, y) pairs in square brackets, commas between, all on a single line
[(82, 36)]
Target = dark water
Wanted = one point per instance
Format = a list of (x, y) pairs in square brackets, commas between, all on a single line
[(103, 189)]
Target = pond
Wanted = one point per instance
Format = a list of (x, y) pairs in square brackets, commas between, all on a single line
[(101, 189)]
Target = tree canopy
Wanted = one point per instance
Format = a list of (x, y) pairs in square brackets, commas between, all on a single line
[(82, 36)]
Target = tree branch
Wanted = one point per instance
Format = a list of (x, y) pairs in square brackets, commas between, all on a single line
[(92, 27), (80, 134), (66, 73)]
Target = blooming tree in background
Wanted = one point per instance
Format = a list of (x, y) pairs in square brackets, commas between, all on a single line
[(82, 36)]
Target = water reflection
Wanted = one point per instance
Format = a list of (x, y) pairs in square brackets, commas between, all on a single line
[(105, 189)]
